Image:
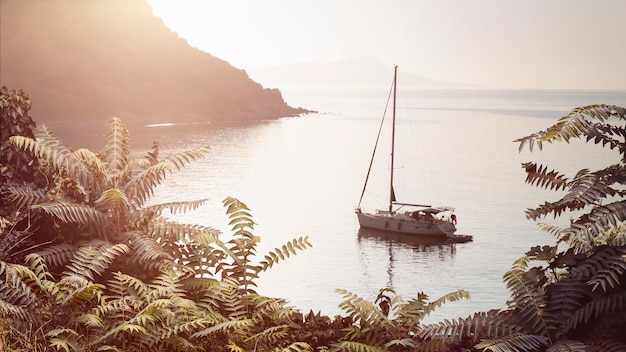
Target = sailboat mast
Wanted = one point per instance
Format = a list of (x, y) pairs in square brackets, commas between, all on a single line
[(392, 195)]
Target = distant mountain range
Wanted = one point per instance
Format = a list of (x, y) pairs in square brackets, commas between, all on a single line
[(362, 71), (89, 60)]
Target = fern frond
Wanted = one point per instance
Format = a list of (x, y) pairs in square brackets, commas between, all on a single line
[(58, 254), (298, 347), (224, 327), (565, 297), (228, 297), (146, 248), (240, 216), (20, 313), (124, 285), (79, 214), (576, 125), (90, 320), (568, 346), (353, 346), (94, 164), (492, 323), (528, 298), (38, 265), (172, 231), (112, 198), (117, 146), (23, 197), (401, 343), (179, 160), (78, 291), (592, 268), (49, 149), (141, 186), (172, 207), (363, 311), (514, 343), (271, 334), (289, 248), (605, 345), (21, 286), (64, 338), (612, 272), (596, 308), (588, 230), (449, 297), (538, 175), (94, 257)]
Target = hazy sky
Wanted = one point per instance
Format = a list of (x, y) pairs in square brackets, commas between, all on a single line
[(499, 43)]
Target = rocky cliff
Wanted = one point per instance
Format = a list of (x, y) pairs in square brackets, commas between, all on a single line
[(90, 60)]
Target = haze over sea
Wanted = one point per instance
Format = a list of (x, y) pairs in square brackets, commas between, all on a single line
[(303, 176)]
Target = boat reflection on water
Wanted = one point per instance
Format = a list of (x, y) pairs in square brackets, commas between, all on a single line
[(415, 243), (403, 255)]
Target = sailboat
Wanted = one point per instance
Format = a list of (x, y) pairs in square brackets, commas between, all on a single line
[(407, 218)]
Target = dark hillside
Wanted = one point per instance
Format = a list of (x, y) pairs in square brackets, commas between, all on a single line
[(91, 60)]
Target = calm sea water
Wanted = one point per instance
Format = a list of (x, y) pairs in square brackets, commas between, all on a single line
[(303, 176)]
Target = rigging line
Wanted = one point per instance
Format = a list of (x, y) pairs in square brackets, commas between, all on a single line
[(369, 169)]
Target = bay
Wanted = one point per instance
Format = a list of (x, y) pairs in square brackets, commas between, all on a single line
[(302, 176)]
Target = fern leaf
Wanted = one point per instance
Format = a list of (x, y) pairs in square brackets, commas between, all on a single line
[(23, 197), (239, 213), (58, 254), (575, 125), (123, 285), (449, 297), (112, 198), (538, 175), (528, 298), (359, 347), (596, 308), (605, 345), (80, 295), (141, 186), (146, 248), (179, 160), (568, 346), (514, 343), (49, 149), (172, 231), (363, 311), (172, 207), (298, 347), (224, 327), (271, 334), (20, 313), (588, 230), (565, 297), (288, 249), (94, 257), (38, 264), (77, 213), (22, 286), (117, 146)]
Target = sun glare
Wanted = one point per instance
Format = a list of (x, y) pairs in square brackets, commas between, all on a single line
[(252, 34)]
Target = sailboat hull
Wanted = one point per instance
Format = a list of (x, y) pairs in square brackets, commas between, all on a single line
[(405, 224)]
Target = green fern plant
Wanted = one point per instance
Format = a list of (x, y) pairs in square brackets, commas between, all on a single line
[(575, 300), (103, 196), (247, 320), (388, 323)]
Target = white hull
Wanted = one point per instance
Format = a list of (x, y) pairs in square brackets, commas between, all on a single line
[(404, 224)]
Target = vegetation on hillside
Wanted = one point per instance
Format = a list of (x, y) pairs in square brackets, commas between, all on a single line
[(86, 264)]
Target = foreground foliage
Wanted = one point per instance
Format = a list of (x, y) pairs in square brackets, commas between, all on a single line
[(576, 299), (88, 264)]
